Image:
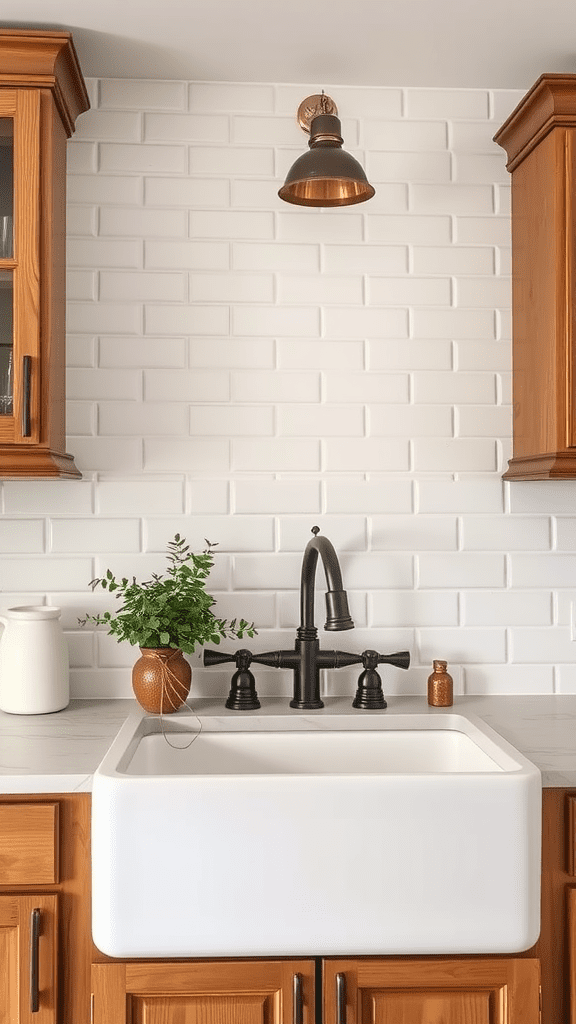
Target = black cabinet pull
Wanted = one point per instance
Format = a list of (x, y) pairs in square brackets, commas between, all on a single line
[(298, 1004), (26, 390), (34, 961), (340, 999)]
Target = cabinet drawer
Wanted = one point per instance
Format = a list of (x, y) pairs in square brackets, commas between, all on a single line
[(28, 844)]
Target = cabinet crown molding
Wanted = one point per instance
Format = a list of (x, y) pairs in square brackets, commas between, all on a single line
[(45, 60), (550, 103)]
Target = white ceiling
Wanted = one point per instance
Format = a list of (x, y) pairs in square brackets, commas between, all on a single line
[(467, 43)]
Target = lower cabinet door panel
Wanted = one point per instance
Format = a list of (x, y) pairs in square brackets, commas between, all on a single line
[(426, 992), (28, 950), (222, 992)]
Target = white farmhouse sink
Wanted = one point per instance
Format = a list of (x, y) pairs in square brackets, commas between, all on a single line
[(315, 835)]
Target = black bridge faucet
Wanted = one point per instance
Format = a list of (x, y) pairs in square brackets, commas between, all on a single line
[(307, 659)]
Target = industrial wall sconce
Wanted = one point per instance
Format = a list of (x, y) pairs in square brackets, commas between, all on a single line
[(326, 175)]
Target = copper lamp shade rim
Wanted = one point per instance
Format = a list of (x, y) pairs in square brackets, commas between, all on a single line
[(294, 192)]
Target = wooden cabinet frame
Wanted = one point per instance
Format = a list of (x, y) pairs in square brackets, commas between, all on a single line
[(42, 89), (540, 140)]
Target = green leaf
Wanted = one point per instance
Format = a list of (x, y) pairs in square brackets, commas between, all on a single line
[(164, 639)]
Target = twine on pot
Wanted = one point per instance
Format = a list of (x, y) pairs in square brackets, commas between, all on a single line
[(169, 690)]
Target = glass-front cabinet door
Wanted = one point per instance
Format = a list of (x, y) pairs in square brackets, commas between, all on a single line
[(19, 272)]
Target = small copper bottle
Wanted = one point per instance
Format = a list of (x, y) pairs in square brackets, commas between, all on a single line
[(440, 687)]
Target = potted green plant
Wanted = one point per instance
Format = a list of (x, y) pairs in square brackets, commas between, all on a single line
[(167, 616)]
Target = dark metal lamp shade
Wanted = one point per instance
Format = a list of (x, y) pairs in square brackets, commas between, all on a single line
[(326, 175)]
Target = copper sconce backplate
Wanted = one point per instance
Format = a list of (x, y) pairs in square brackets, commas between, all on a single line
[(319, 103)]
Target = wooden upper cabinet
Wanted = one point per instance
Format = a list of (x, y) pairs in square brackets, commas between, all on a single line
[(540, 141), (41, 94)]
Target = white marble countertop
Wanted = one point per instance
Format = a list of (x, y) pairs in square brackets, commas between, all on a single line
[(59, 753)]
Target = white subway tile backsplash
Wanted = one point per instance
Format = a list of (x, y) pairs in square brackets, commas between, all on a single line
[(142, 159), (108, 455), (454, 259), (368, 453), (142, 223), (186, 192), (429, 167), (386, 354), (365, 259), (475, 455), (185, 319), (47, 573), (275, 454), (461, 570), (409, 291), (231, 224), (232, 352), (141, 352), (463, 645), (210, 456), (116, 285), (104, 252), (275, 386), (110, 189), (230, 420), (410, 420), (509, 679), (186, 255), (21, 536), (185, 128), (274, 257), (84, 383), (375, 495), (231, 534), (536, 570), (452, 199), (285, 321), (260, 495), (101, 318), (244, 370), (232, 287), (142, 418), (378, 322), (320, 420), (409, 229), (414, 533), (367, 387), (104, 125), (447, 103), (140, 497), (315, 355), (94, 535), (142, 94), (417, 607), (507, 608), (215, 97), (404, 135), (482, 494), (231, 160)]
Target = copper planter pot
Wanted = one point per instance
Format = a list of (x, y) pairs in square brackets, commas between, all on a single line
[(161, 679)]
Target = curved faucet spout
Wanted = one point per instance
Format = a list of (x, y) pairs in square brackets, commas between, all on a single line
[(337, 612)]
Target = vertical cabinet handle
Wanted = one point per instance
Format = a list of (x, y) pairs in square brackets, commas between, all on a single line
[(34, 961), (340, 999), (26, 390), (298, 1001)]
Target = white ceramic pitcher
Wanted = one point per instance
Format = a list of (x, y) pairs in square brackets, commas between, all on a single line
[(34, 669)]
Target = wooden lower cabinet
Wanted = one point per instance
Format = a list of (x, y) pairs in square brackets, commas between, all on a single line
[(204, 992), (28, 959), (479, 991), (355, 991)]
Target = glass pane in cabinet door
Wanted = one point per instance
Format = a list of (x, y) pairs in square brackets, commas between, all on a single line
[(6, 187), (6, 343)]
